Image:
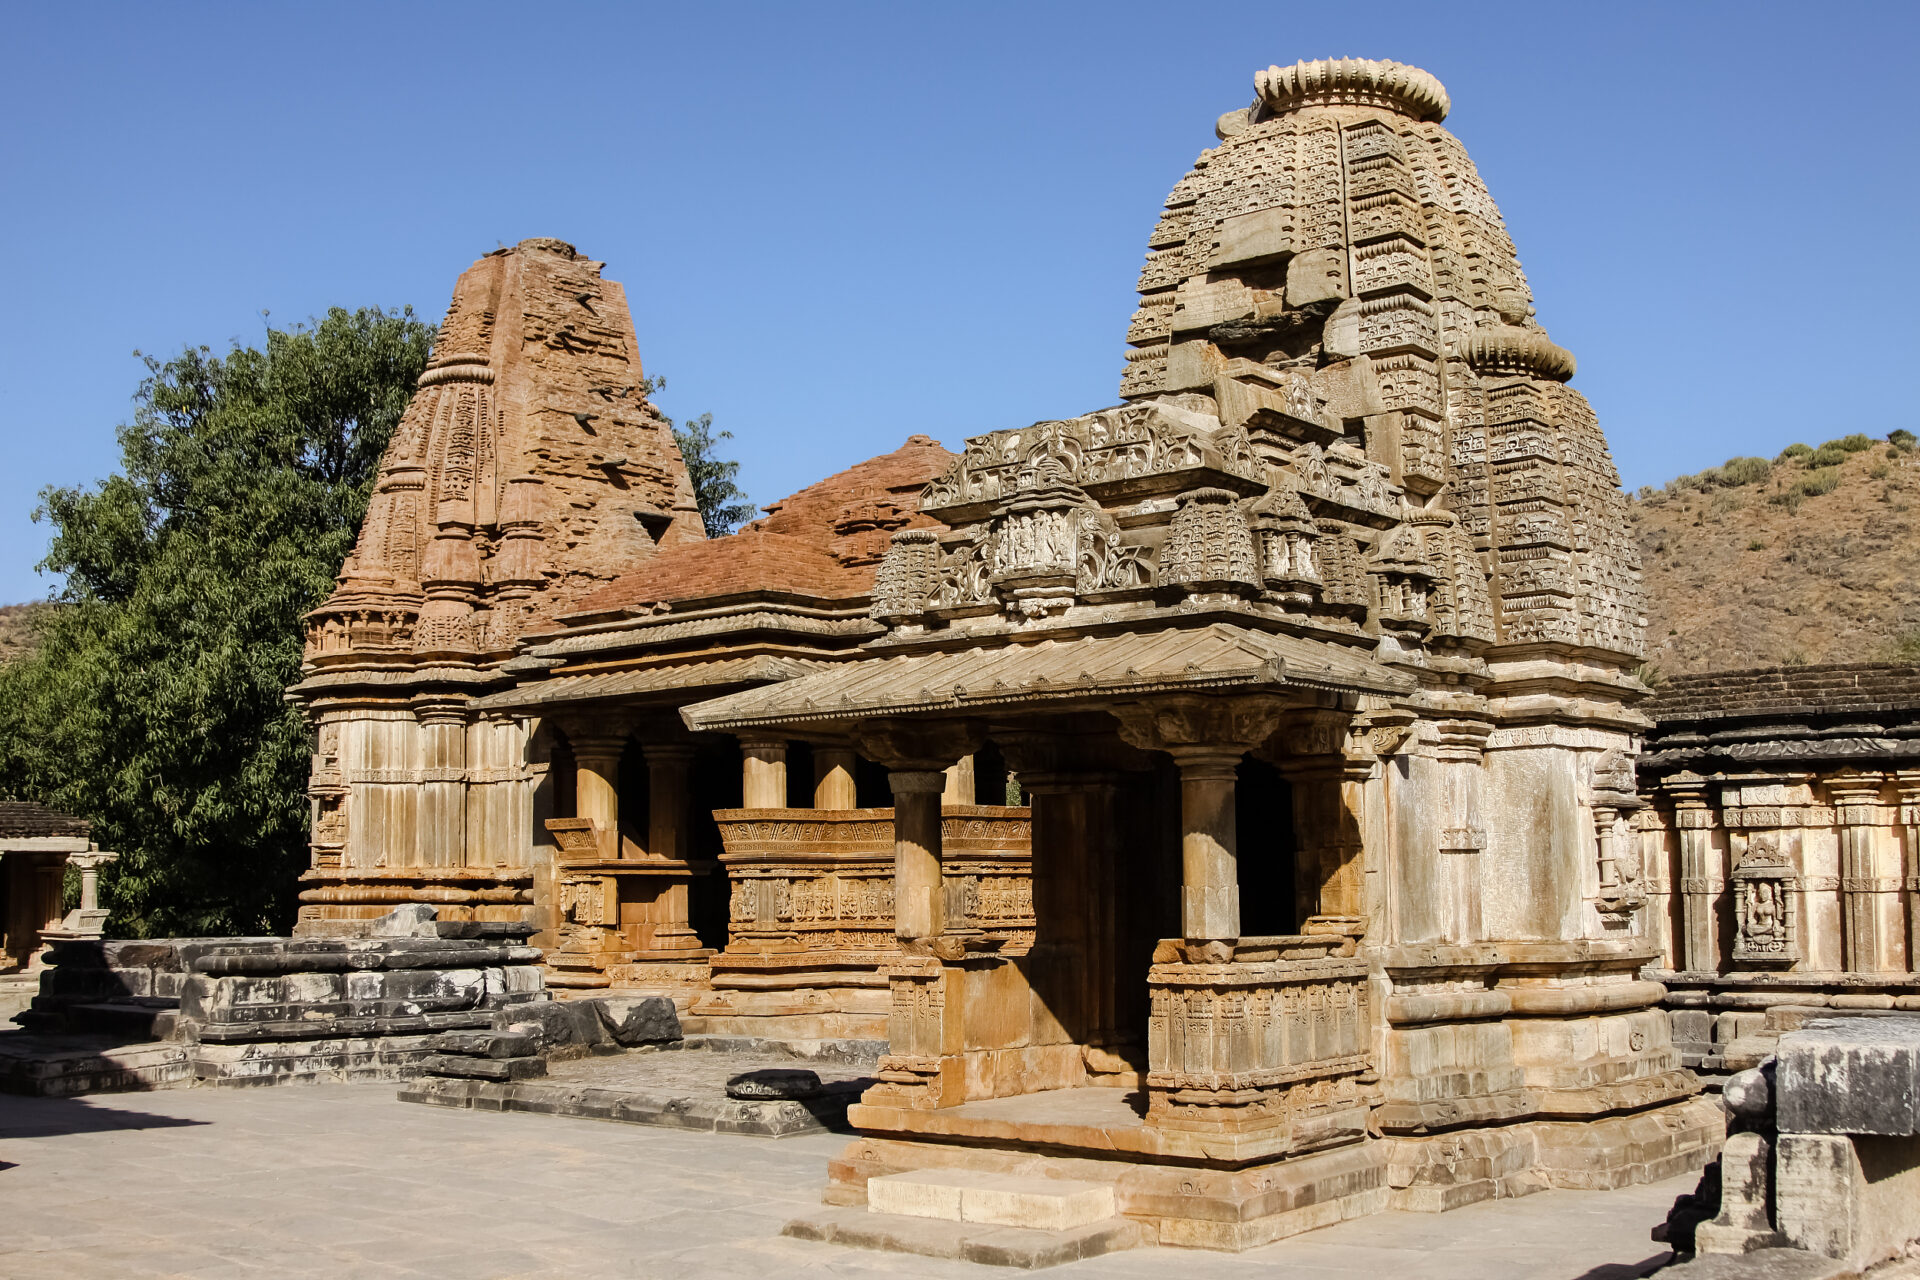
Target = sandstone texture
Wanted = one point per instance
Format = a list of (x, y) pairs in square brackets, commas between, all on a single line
[(1220, 804)]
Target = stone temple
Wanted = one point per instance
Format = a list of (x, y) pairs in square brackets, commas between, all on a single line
[(1226, 797)]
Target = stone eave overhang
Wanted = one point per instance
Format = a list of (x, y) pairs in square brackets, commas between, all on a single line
[(1120, 617), (1062, 674), (1875, 750), (394, 681), (668, 631), (669, 684)]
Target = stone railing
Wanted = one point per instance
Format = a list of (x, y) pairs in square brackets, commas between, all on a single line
[(817, 882), (1264, 1039)]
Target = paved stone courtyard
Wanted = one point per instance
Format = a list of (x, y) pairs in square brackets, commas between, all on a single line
[(344, 1181)]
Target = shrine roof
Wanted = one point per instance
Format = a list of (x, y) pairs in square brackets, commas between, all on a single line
[(760, 669), (824, 541), (25, 820), (1851, 688), (1218, 657)]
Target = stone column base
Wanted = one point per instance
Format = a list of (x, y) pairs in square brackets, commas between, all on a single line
[(1440, 1172)]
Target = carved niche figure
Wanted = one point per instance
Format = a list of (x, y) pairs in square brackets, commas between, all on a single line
[(1764, 893)]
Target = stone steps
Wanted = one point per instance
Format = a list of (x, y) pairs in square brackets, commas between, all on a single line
[(67, 1066), (1027, 1248), (1001, 1220), (1006, 1200), (668, 1109), (137, 1018)]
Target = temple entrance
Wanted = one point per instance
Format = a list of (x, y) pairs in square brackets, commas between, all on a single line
[(1263, 814)]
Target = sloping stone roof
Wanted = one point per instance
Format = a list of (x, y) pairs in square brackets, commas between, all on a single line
[(1787, 691), (675, 680), (25, 820), (1219, 656), (824, 541)]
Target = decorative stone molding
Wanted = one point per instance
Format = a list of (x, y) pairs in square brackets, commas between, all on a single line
[(813, 886), (1260, 1034), (1232, 725)]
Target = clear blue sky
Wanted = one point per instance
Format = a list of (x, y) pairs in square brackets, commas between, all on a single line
[(839, 225)]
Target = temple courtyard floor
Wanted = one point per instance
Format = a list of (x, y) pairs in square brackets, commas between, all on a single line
[(345, 1181)]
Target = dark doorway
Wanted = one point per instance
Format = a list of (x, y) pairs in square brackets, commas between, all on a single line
[(636, 795), (1263, 812), (715, 784), (871, 790), (992, 778)]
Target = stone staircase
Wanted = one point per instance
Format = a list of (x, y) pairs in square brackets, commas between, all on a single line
[(997, 1219)]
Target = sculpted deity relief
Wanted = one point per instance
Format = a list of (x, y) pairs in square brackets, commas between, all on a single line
[(1765, 886)]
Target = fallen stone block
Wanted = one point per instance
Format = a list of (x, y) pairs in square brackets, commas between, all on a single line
[(634, 1022), (555, 1024), (485, 1044), (1851, 1075), (443, 1064)]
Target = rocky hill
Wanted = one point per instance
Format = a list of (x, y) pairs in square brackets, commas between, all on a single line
[(16, 628), (1806, 558)]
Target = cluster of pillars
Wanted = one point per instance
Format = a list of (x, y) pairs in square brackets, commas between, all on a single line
[(596, 763), (763, 784)]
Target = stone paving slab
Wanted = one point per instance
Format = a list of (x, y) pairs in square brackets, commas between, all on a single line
[(343, 1181), (671, 1088)]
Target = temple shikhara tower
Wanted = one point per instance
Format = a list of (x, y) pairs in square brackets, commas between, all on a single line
[(1225, 797), (529, 469)]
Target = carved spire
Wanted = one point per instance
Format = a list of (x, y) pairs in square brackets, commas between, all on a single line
[(527, 469)]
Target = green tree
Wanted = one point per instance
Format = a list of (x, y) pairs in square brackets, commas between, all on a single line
[(724, 506), (153, 702)]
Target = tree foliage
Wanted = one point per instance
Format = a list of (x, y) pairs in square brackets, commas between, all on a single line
[(724, 506), (153, 704)]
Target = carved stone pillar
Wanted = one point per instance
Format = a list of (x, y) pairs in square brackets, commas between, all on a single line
[(1869, 884), (1701, 883), (1461, 750), (919, 889), (669, 768), (1209, 843), (596, 784), (1206, 737), (89, 919), (442, 832), (833, 779), (763, 777), (918, 755), (1650, 828), (1908, 781), (1309, 753), (959, 788), (1616, 850)]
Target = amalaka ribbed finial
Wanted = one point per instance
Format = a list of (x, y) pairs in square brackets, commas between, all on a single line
[(1361, 82)]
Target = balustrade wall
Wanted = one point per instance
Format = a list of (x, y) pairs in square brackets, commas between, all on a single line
[(811, 915)]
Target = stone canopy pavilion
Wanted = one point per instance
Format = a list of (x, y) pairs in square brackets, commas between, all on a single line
[(1312, 657)]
